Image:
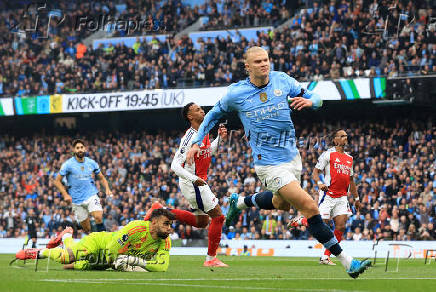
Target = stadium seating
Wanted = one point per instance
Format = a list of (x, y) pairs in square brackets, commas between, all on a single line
[(325, 40)]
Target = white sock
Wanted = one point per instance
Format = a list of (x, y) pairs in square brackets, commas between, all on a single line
[(66, 235), (324, 257), (209, 258), (241, 204), (345, 259)]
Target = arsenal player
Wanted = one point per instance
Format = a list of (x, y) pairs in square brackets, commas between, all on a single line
[(193, 185), (337, 166)]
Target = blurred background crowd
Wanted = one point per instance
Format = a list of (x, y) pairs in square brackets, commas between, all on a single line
[(394, 167), (324, 39)]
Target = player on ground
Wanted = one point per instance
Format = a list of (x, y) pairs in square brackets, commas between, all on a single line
[(193, 186), (337, 166), (261, 102), (82, 192), (138, 245)]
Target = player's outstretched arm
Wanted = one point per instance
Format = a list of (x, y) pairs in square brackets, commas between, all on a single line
[(222, 107), (105, 183), (222, 135), (308, 99), (58, 184), (301, 97), (210, 120)]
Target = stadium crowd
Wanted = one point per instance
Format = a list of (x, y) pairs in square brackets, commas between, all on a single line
[(328, 40), (394, 167)]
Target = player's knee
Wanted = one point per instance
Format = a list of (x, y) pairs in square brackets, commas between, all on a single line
[(202, 221), (98, 217), (215, 212), (310, 209)]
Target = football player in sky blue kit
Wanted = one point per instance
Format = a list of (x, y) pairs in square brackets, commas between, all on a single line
[(82, 192), (261, 102)]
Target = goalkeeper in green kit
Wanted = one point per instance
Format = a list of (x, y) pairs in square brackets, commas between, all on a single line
[(138, 246)]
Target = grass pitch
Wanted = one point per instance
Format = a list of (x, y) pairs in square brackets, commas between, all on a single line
[(245, 273)]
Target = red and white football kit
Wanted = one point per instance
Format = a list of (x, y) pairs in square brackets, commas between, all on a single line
[(337, 167), (200, 198)]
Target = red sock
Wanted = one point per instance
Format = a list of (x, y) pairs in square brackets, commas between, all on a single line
[(185, 217), (338, 235), (215, 229)]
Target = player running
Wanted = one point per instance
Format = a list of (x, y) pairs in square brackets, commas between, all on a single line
[(138, 245), (337, 166), (82, 192), (193, 185), (261, 102)]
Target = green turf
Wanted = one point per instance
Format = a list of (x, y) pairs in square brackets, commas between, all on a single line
[(245, 273)]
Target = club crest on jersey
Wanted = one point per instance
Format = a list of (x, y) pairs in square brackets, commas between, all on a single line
[(123, 239), (263, 97), (278, 92)]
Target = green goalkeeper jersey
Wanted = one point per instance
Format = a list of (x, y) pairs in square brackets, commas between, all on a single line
[(133, 239)]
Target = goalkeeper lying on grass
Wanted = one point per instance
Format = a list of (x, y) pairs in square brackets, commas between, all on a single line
[(138, 246)]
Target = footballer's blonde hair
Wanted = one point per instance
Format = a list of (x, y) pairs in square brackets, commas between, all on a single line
[(252, 50)]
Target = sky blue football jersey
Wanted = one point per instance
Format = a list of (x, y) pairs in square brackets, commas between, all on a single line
[(265, 115), (80, 181)]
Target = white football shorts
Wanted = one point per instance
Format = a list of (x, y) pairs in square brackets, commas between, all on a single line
[(331, 207), (273, 177), (201, 198), (82, 210)]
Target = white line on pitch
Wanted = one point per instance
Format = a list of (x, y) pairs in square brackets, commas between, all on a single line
[(239, 279), (151, 283)]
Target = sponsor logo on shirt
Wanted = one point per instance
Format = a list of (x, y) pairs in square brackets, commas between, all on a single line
[(266, 112), (342, 169)]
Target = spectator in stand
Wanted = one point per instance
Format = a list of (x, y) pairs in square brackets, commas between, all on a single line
[(325, 41), (394, 163)]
